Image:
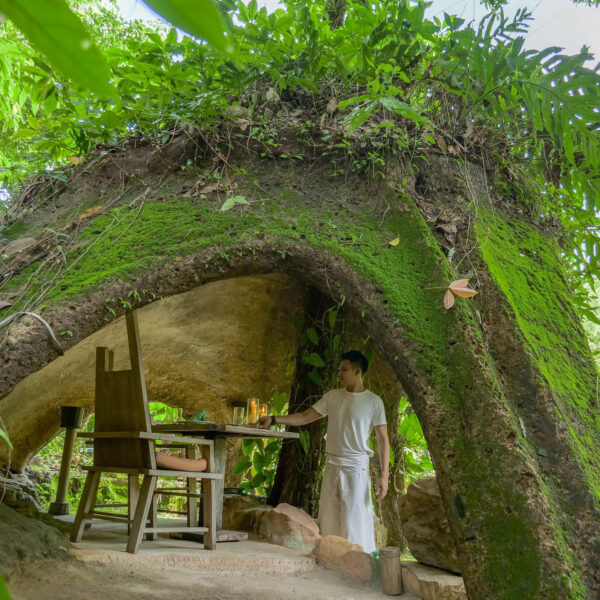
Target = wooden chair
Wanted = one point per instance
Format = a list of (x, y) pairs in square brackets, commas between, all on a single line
[(124, 443)]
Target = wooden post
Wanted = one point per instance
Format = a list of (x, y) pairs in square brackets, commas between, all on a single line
[(219, 467), (70, 418), (391, 570)]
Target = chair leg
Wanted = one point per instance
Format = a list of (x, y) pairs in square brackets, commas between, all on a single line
[(209, 510), (132, 498), (86, 504), (153, 515), (141, 513)]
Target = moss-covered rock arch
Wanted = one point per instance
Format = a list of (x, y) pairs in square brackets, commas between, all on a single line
[(491, 408)]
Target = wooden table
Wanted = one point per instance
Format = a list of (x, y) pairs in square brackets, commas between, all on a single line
[(219, 433)]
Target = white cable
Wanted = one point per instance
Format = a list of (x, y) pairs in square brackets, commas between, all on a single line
[(42, 321)]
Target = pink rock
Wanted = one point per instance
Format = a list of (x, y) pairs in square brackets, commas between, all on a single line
[(288, 526), (356, 565), (331, 549)]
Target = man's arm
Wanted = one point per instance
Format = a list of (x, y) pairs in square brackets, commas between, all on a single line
[(296, 419), (383, 449)]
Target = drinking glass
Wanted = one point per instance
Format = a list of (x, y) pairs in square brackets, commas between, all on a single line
[(238, 415)]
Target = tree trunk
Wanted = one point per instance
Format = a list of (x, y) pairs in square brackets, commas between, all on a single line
[(299, 473)]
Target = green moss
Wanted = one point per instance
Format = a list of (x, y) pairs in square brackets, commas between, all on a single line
[(125, 243), (16, 230), (526, 267), (520, 578)]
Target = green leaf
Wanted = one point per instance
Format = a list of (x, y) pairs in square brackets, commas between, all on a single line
[(279, 401), (110, 120), (332, 317), (403, 109), (231, 202), (4, 595), (314, 360), (312, 336), (390, 102), (358, 117), (411, 429), (315, 377), (590, 315), (258, 479), (55, 30), (304, 440), (200, 18), (248, 446), (5, 437), (23, 133), (241, 466)]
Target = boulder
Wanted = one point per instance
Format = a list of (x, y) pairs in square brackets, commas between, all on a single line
[(23, 538), (239, 512), (429, 583), (356, 565), (331, 549), (18, 491), (425, 525), (337, 553), (288, 526)]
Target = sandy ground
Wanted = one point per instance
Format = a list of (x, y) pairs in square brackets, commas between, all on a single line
[(57, 580), (99, 569)]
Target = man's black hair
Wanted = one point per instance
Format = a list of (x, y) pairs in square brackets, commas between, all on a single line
[(358, 359)]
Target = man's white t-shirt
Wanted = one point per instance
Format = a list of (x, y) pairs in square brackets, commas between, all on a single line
[(351, 418)]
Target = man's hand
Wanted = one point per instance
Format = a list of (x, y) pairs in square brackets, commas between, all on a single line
[(382, 487), (262, 423)]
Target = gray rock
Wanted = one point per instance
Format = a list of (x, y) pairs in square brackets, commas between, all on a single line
[(429, 583), (288, 526), (425, 525)]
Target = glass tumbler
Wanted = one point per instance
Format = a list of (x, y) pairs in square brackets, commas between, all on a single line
[(238, 415)]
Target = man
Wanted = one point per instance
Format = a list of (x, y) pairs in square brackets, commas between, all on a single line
[(345, 507)]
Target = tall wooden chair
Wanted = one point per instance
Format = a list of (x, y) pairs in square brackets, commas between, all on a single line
[(124, 443)]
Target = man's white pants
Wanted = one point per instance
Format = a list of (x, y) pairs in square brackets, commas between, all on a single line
[(345, 507)]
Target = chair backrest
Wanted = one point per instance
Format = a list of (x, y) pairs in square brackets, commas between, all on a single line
[(122, 405)]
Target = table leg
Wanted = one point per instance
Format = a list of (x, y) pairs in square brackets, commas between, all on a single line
[(220, 455), (192, 488)]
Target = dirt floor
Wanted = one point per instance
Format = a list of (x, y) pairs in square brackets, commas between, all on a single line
[(57, 580), (98, 568)]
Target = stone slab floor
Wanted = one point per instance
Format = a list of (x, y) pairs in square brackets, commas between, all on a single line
[(100, 569)]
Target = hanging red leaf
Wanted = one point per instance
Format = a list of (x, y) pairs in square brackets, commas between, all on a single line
[(464, 292), (449, 300), (459, 283)]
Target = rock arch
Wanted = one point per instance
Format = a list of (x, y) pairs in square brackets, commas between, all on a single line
[(513, 445)]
